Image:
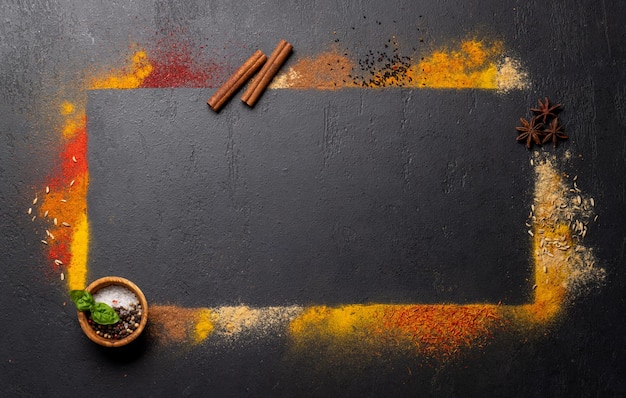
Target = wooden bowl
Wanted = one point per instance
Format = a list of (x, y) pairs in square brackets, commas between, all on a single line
[(102, 283)]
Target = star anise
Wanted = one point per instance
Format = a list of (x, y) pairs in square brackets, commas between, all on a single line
[(530, 131), (553, 132), (545, 110)]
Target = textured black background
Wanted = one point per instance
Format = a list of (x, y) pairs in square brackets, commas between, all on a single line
[(574, 52), (328, 198)]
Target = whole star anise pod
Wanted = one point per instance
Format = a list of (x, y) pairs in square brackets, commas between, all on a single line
[(545, 110), (530, 131), (553, 132)]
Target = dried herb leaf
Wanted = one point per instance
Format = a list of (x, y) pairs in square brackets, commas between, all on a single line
[(83, 299), (103, 314)]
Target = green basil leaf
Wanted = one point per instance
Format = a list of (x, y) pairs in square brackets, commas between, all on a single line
[(103, 314), (83, 299)]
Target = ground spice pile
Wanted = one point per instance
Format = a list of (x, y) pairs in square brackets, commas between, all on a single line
[(326, 71), (177, 62), (472, 65), (170, 324), (560, 217), (245, 324), (440, 331), (511, 76)]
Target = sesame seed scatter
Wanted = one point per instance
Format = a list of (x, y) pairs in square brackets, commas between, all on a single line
[(383, 69)]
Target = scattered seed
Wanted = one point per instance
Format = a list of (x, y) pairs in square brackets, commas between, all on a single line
[(534, 287), (65, 224), (74, 159), (71, 183), (45, 214), (56, 222), (532, 162), (530, 233), (47, 189), (545, 269), (45, 242), (51, 236), (30, 210), (58, 262), (595, 218), (35, 200), (33, 219), (575, 177), (48, 233), (62, 276), (593, 202), (63, 200)]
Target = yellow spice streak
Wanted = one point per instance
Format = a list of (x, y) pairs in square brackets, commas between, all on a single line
[(550, 288), (204, 325), (66, 204), (342, 323), (471, 66), (77, 270), (552, 246), (67, 108), (69, 205), (132, 76), (72, 124), (343, 333)]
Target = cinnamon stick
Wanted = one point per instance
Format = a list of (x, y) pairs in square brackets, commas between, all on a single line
[(255, 82), (267, 73), (230, 87)]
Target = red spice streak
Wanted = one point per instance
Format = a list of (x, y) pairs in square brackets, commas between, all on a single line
[(443, 329), (175, 65), (59, 251), (75, 148), (72, 167)]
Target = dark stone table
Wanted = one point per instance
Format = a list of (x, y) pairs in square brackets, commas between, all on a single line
[(314, 197)]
